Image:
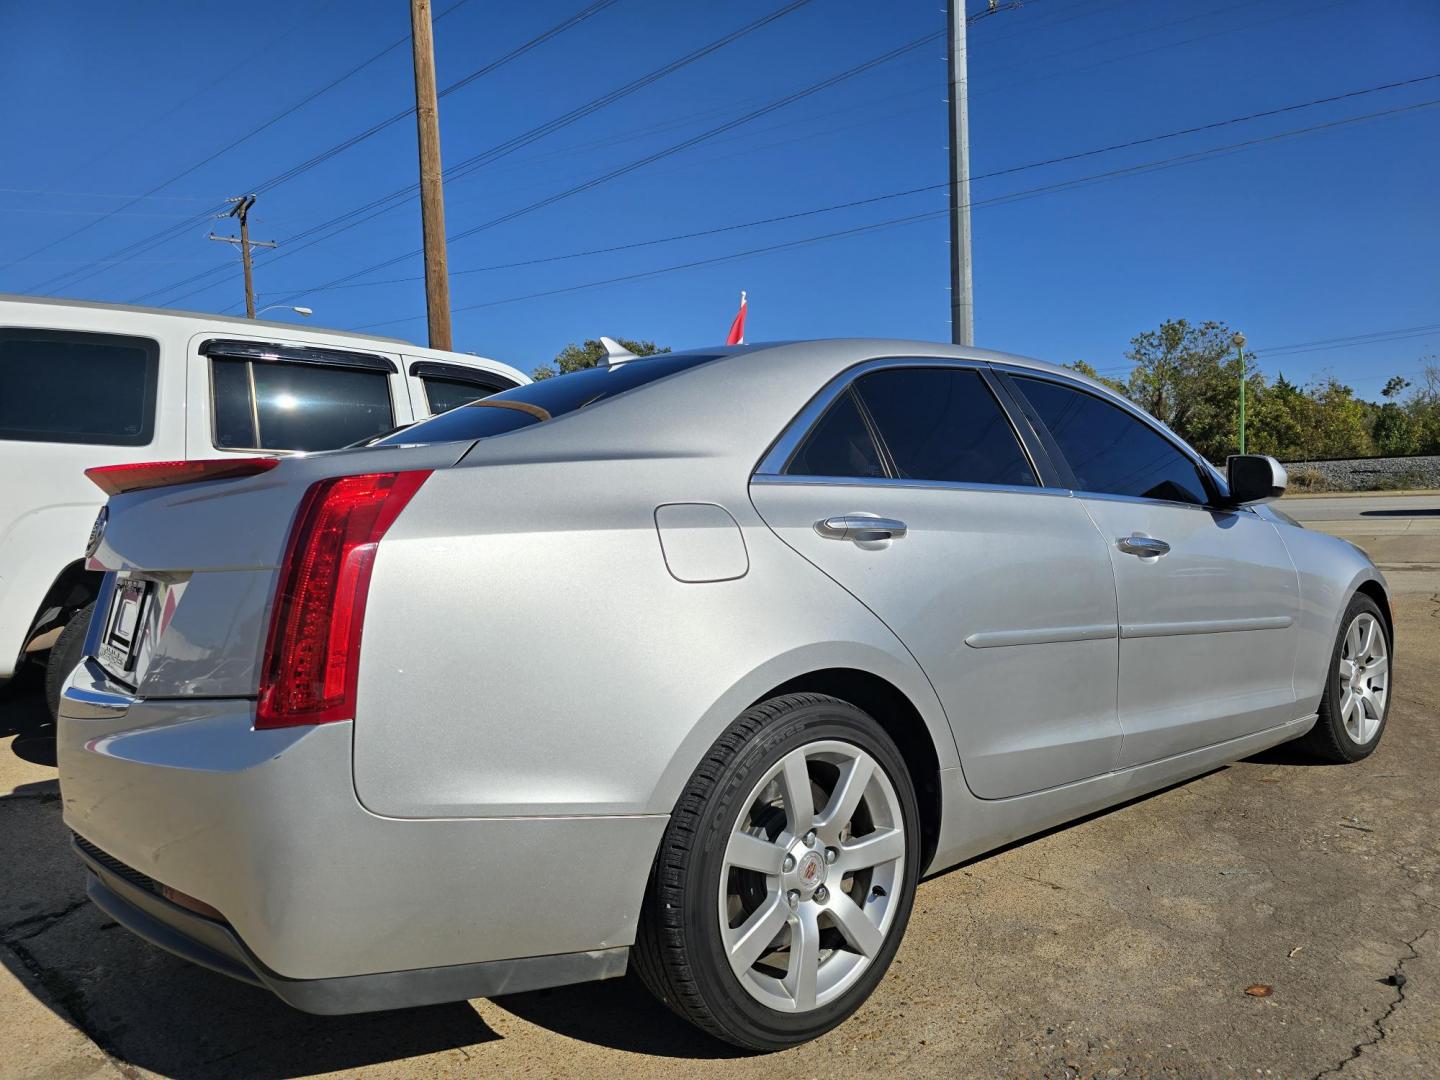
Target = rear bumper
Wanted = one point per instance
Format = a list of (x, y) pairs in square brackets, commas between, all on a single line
[(315, 890), (215, 945)]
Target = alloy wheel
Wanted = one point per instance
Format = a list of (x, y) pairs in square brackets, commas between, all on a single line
[(1364, 669), (810, 876)]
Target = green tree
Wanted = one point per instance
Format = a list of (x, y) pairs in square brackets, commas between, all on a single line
[(579, 357), (1188, 376), (1423, 409), (1089, 371), (1394, 429), (1280, 417), (1341, 427)]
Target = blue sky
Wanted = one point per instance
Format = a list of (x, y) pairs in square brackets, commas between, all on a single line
[(1327, 235)]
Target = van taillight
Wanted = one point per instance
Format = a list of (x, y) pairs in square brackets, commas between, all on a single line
[(313, 653)]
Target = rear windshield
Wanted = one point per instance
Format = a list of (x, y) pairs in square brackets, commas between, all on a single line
[(553, 397)]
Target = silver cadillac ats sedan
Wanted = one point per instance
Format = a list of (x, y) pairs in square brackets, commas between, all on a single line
[(696, 662)]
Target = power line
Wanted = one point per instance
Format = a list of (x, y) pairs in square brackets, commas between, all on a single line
[(648, 159), (206, 160), (384, 204), (1144, 167), (870, 200), (353, 217), (979, 93), (291, 173)]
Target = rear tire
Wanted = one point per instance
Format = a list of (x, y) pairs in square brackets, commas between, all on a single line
[(1356, 701), (767, 956), (65, 654)]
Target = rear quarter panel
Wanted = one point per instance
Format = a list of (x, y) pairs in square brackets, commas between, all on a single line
[(527, 652)]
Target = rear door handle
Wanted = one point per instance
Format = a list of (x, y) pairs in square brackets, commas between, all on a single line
[(1143, 546), (860, 527)]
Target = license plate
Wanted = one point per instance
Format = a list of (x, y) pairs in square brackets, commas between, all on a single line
[(121, 640)]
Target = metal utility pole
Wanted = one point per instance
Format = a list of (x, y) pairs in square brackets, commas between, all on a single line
[(241, 210), (962, 311), (432, 190)]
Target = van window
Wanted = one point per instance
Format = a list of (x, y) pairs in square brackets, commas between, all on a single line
[(445, 394), (63, 386), (268, 405)]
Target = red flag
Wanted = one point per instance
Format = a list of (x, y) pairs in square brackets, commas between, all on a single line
[(737, 328)]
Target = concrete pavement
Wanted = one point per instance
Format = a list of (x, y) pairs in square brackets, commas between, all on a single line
[(1120, 945)]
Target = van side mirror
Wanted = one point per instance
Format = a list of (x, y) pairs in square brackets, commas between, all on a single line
[(1254, 478)]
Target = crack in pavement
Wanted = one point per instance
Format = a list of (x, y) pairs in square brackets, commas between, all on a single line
[(42, 921), (69, 999), (1396, 979)]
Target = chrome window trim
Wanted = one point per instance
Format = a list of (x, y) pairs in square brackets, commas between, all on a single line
[(1106, 496), (783, 449), (898, 482)]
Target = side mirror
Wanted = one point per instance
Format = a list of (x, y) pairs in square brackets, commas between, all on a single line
[(1254, 478)]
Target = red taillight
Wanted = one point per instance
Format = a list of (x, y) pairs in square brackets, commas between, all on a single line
[(117, 479), (313, 653)]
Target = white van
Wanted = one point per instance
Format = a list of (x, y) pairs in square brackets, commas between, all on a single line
[(87, 384)]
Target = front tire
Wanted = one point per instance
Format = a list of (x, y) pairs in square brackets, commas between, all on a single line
[(785, 877), (1356, 701)]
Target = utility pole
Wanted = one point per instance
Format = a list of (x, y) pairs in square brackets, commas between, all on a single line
[(962, 309), (432, 190), (241, 210)]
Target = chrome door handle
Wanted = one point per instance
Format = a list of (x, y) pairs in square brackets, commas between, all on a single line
[(1143, 546), (860, 527)]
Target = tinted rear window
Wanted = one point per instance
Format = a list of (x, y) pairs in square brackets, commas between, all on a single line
[(944, 424), (557, 396), (66, 387), (839, 445)]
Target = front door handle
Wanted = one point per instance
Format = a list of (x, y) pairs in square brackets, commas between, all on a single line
[(860, 527), (1147, 547)]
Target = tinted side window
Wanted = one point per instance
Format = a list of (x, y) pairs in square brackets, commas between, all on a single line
[(297, 406), (446, 394), (1111, 451), (944, 424), (68, 387), (839, 445)]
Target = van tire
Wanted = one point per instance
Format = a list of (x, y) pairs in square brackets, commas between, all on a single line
[(65, 654)]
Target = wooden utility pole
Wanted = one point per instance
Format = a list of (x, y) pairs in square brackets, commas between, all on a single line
[(432, 190), (241, 210)]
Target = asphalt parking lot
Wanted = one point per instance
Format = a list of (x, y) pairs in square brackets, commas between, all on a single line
[(1123, 945)]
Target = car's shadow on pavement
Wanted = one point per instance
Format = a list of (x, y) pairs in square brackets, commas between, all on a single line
[(149, 1009), (24, 715)]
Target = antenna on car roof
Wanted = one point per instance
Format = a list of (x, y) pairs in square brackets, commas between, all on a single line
[(615, 353)]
